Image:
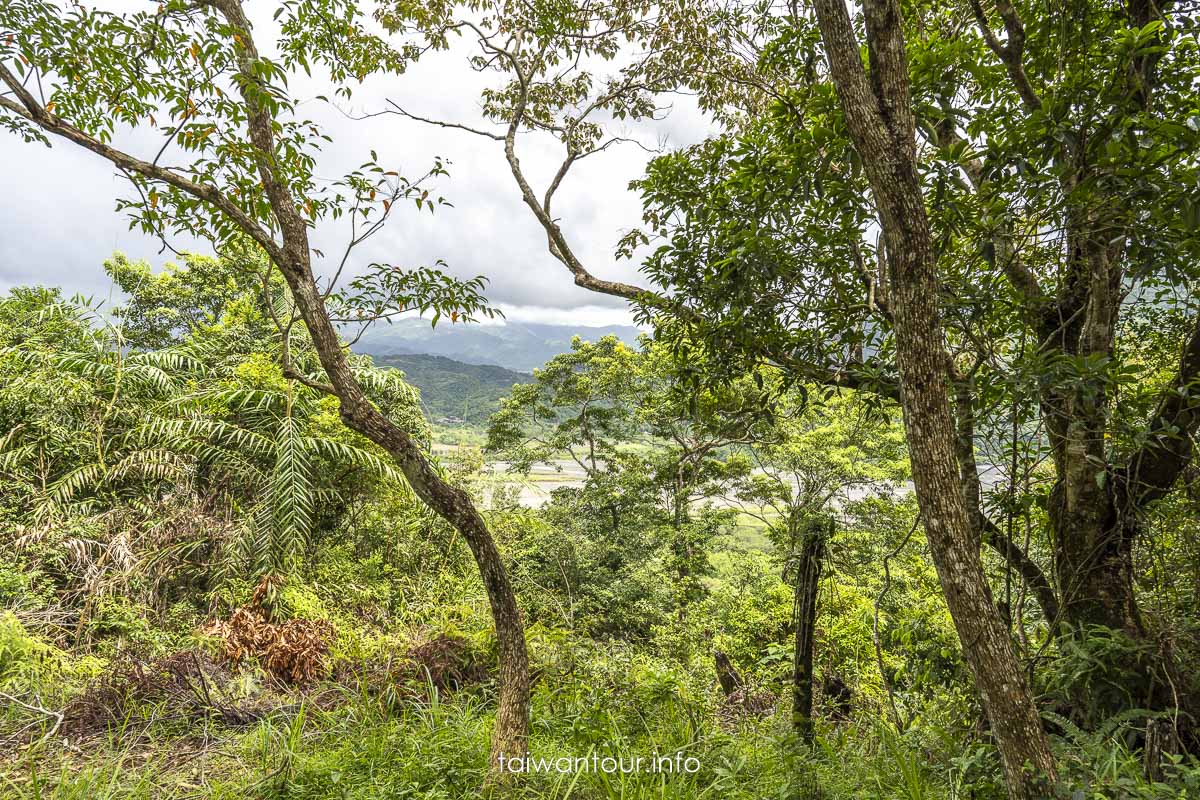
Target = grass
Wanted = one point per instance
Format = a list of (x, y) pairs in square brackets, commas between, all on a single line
[(750, 533), (431, 747), (435, 748)]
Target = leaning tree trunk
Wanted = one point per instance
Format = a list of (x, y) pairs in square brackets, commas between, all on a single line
[(879, 117), (923, 363), (293, 258), (807, 566), (509, 738)]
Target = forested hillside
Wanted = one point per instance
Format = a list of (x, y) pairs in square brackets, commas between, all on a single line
[(454, 393), (896, 497), (517, 346)]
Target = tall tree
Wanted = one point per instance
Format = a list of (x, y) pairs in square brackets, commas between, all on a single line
[(194, 71), (162, 307), (853, 133), (1046, 273), (879, 117)]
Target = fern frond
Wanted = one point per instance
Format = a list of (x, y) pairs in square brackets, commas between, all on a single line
[(149, 378), (1074, 732), (87, 365), (291, 495), (354, 456), (174, 361)]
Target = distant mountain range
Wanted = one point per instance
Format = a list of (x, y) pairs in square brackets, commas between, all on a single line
[(519, 346), (454, 393)]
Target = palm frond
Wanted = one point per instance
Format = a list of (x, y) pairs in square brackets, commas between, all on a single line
[(186, 434), (12, 459), (291, 494), (88, 476), (154, 465), (355, 456)]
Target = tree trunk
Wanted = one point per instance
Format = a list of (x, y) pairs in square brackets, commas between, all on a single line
[(879, 116), (727, 674), (808, 562), (509, 737), (1092, 523), (1094, 562), (1161, 741), (952, 542), (293, 258)]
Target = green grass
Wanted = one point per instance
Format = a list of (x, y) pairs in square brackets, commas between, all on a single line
[(433, 752), (435, 748), (424, 749), (751, 534)]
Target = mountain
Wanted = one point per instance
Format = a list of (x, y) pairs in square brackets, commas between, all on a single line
[(454, 393), (520, 346)]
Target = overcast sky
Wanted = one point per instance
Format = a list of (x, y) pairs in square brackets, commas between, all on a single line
[(58, 223)]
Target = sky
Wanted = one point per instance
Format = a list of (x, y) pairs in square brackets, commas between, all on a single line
[(58, 222)]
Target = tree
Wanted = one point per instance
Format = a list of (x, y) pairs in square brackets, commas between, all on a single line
[(162, 307), (808, 465), (1016, 201), (194, 72), (649, 453), (881, 124), (826, 305)]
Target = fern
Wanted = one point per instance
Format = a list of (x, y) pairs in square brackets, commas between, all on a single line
[(291, 496), (363, 459)]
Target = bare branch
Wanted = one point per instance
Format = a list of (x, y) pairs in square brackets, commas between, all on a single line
[(40, 709), (399, 110)]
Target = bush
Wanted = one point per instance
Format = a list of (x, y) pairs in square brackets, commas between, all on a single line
[(22, 656)]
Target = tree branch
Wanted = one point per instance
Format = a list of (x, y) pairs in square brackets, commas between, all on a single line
[(987, 531), (1006, 256), (32, 111), (1012, 53), (1153, 469)]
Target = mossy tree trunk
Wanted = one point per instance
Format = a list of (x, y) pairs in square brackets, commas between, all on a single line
[(879, 115), (806, 563)]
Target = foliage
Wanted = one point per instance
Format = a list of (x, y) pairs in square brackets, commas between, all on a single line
[(649, 457), (452, 392), (20, 653), (163, 307), (156, 462)]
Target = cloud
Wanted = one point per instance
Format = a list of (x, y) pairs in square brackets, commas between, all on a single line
[(58, 224), (587, 316)]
